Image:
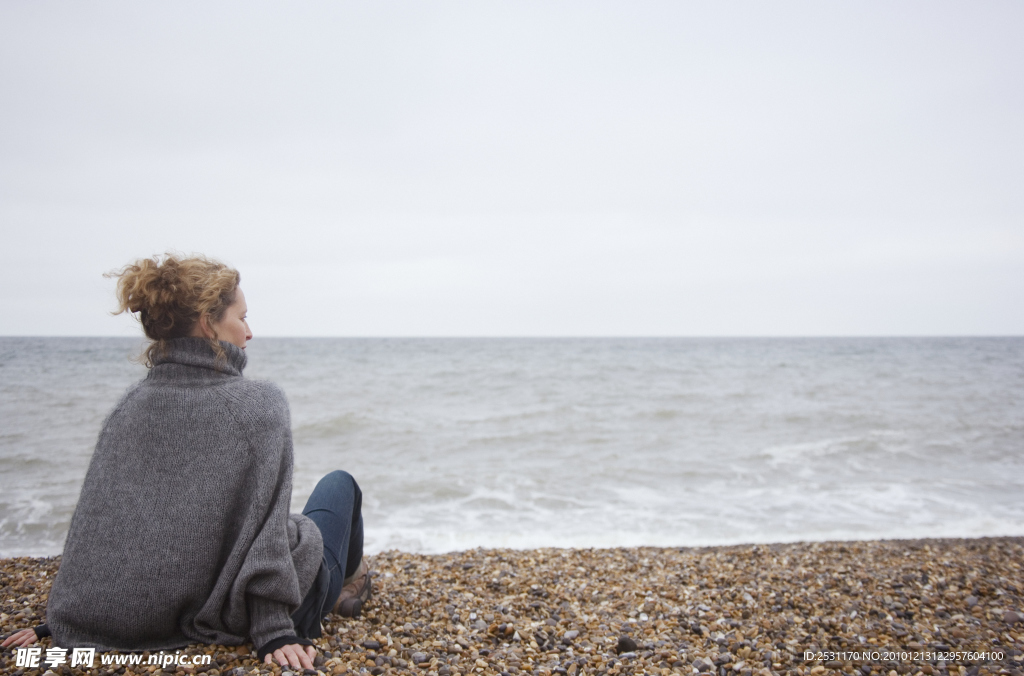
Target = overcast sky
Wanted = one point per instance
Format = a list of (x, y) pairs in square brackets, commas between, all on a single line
[(522, 168)]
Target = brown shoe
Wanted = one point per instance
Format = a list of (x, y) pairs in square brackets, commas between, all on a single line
[(355, 592)]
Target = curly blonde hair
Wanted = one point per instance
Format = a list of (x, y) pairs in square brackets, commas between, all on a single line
[(170, 293)]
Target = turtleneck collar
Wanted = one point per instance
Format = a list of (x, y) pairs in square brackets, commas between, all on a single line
[(197, 352)]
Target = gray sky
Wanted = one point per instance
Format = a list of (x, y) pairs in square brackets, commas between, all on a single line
[(522, 168)]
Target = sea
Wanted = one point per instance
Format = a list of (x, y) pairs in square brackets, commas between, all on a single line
[(460, 443)]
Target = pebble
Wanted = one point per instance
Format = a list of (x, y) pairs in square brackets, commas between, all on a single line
[(625, 645), (748, 610)]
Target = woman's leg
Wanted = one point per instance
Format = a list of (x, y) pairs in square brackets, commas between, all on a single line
[(335, 506)]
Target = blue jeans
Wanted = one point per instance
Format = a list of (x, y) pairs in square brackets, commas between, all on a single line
[(335, 506)]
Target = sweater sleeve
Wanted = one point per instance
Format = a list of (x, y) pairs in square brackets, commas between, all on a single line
[(269, 577)]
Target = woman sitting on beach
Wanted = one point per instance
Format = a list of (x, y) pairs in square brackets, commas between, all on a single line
[(182, 533)]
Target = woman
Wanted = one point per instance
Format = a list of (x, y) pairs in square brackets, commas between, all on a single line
[(182, 533)]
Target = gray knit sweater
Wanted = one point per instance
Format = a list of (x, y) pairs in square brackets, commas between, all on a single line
[(182, 532)]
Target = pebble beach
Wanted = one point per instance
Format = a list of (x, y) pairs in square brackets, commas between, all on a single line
[(890, 608)]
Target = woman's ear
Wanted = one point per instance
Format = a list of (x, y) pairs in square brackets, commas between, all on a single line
[(206, 328)]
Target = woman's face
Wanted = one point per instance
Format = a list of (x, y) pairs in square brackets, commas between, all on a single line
[(232, 327)]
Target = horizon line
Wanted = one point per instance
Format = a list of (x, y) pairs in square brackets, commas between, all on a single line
[(562, 336)]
